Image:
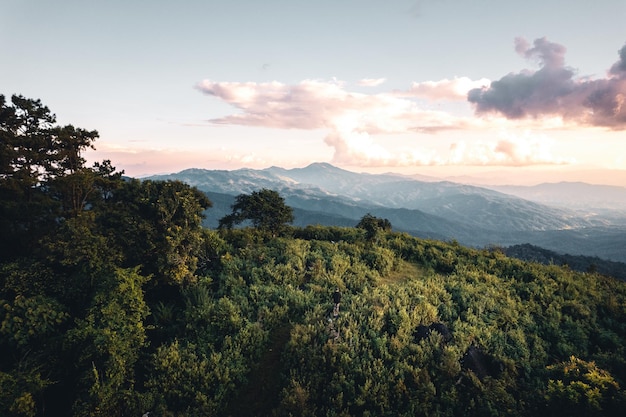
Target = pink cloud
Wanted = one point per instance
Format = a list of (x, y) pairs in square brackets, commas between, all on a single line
[(511, 150), (138, 162), (313, 104), (350, 117), (371, 82), (353, 120), (451, 90), (553, 90)]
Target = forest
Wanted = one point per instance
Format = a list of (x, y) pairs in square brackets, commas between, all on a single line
[(115, 301)]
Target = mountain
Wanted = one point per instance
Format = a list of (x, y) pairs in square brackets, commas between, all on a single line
[(576, 195), (328, 211), (475, 216), (473, 206)]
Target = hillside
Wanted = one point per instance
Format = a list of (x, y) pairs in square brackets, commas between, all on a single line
[(473, 206), (532, 253), (425, 328), (474, 216), (310, 210)]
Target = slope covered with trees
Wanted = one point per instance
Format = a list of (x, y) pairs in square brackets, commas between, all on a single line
[(115, 301)]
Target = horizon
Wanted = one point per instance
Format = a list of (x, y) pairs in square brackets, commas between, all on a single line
[(489, 92), (485, 179)]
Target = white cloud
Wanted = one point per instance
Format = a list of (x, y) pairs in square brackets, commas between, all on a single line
[(371, 82), (314, 104), (511, 150), (355, 120), (451, 90)]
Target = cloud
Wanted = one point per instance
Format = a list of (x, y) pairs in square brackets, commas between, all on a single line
[(619, 68), (352, 118), (451, 90), (553, 90), (357, 123), (141, 161), (511, 150), (371, 82)]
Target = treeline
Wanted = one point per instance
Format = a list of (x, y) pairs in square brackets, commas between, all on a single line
[(528, 252), (115, 301)]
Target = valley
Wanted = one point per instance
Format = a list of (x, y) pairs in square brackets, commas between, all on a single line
[(544, 216)]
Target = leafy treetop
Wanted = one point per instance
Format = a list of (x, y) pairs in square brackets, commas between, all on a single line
[(265, 209), (373, 225)]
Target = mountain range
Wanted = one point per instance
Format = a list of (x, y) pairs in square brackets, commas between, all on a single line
[(557, 217)]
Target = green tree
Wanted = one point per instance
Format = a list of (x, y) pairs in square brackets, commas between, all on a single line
[(580, 388), (158, 225), (373, 226), (25, 132), (31, 331), (109, 340), (265, 209), (33, 154)]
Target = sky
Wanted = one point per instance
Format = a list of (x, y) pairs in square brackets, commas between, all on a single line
[(489, 91)]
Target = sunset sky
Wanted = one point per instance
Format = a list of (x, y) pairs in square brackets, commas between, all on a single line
[(511, 92)]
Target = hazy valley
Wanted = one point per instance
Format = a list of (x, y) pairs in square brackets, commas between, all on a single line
[(568, 218)]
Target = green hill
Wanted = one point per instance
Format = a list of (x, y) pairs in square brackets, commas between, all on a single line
[(252, 334)]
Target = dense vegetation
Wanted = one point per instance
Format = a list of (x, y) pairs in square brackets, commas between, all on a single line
[(528, 252), (115, 301)]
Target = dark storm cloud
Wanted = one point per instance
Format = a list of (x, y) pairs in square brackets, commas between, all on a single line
[(553, 90)]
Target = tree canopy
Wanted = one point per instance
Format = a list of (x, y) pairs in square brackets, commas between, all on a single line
[(81, 248), (373, 225), (36, 158), (265, 209)]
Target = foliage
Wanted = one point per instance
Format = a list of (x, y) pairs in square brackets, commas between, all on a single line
[(265, 209), (158, 225), (373, 226), (109, 340), (34, 154), (582, 388)]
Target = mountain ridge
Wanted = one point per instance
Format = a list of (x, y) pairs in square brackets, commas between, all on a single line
[(596, 196), (474, 216)]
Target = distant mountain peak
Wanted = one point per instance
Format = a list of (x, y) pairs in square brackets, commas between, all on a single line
[(321, 164), (326, 167)]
